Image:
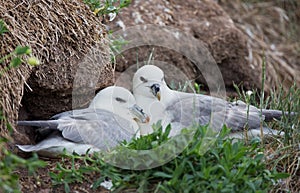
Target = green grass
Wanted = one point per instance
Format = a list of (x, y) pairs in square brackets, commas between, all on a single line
[(9, 162), (226, 166), (106, 7)]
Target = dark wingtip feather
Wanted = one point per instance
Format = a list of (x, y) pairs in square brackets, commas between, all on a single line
[(275, 114), (51, 124)]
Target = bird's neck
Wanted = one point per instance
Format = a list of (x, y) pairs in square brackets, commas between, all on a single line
[(167, 95), (145, 129)]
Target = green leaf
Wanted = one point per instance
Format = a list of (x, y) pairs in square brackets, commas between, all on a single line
[(281, 176), (166, 133), (98, 182), (3, 28), (15, 62), (162, 175), (259, 157), (20, 50), (67, 187)]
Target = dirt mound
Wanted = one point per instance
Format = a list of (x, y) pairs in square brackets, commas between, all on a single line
[(238, 55), (272, 29), (207, 22), (60, 34)]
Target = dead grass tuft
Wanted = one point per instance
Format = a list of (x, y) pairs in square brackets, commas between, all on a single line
[(285, 159), (273, 28), (59, 33), (273, 31)]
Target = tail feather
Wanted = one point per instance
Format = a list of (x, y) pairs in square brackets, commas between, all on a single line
[(51, 124), (28, 148), (270, 114)]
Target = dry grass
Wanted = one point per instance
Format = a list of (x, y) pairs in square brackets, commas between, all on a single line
[(272, 28), (59, 33), (285, 159)]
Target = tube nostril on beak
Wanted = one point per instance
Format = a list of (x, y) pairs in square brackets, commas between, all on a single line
[(155, 89)]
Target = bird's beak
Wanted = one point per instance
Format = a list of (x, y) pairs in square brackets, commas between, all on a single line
[(139, 115), (158, 95), (155, 89)]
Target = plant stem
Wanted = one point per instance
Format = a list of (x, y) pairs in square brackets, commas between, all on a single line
[(5, 57), (262, 97)]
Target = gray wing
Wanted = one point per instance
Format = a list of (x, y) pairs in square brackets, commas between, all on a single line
[(63, 114), (185, 112), (238, 116), (53, 123), (77, 113), (101, 128), (98, 127), (203, 109)]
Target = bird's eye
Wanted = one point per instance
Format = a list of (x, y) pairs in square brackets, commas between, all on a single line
[(162, 79), (120, 100), (143, 79)]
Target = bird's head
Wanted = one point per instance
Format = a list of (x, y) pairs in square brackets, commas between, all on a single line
[(148, 82), (121, 102)]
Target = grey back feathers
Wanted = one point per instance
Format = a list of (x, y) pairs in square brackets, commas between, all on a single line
[(101, 128), (184, 109), (205, 109), (95, 128)]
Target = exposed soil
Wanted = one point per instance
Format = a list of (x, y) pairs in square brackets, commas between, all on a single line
[(206, 23), (240, 39), (41, 181)]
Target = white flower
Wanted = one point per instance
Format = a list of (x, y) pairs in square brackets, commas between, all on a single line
[(249, 92), (112, 16), (107, 184)]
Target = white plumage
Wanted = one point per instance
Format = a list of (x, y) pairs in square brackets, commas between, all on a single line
[(110, 119), (182, 109)]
